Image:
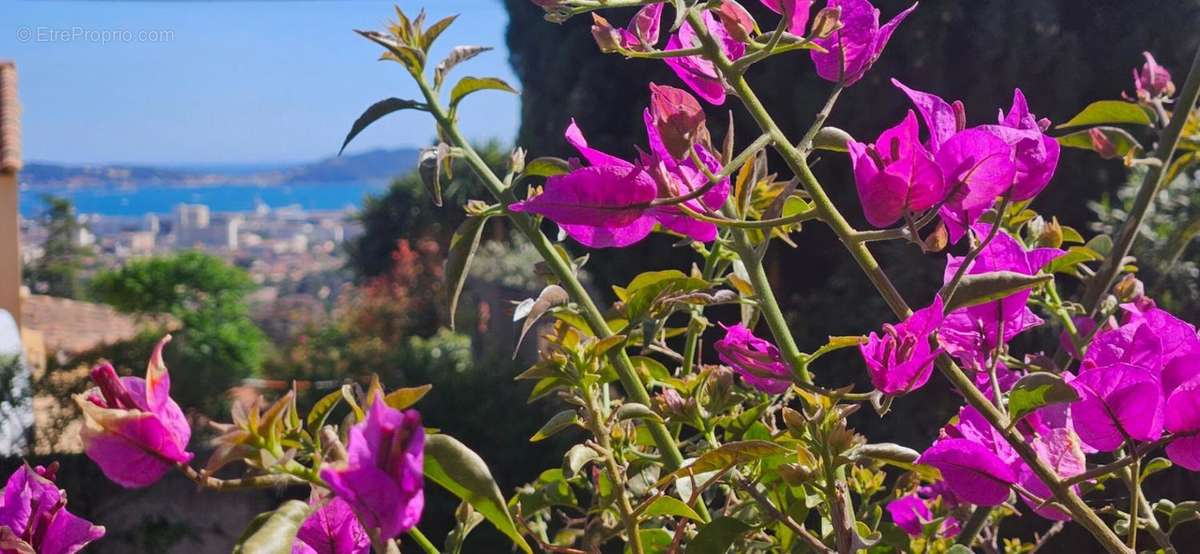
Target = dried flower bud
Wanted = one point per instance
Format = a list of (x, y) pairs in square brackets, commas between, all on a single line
[(516, 160), (737, 21), (678, 117), (607, 37), (670, 404), (1051, 235), (938, 239), (827, 22), (1129, 288), (1153, 81)]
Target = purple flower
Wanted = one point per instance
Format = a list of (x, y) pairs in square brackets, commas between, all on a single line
[(642, 32), (796, 10), (972, 471), (1059, 449), (851, 50), (607, 204), (697, 73), (1183, 419), (910, 513), (677, 118), (1117, 401), (1179, 344), (1036, 154), (971, 334), (942, 118), (978, 167), (901, 360), (34, 517), (383, 481), (1153, 81), (756, 360), (896, 175), (331, 529), (132, 428)]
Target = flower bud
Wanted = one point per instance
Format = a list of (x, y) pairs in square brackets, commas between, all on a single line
[(827, 22), (646, 23), (938, 239), (737, 21), (678, 118), (670, 404), (1152, 81), (1102, 144), (1129, 288), (1051, 235), (607, 37)]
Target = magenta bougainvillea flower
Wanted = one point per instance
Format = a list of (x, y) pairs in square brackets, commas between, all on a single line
[(971, 334), (942, 119), (1152, 81), (132, 428), (1182, 418), (1117, 401), (978, 167), (851, 50), (1035, 153), (642, 32), (901, 359), (796, 10), (383, 481), (756, 360), (678, 119), (975, 473), (34, 517), (1178, 343), (910, 513), (697, 73), (1060, 449), (331, 529), (896, 175), (607, 204)]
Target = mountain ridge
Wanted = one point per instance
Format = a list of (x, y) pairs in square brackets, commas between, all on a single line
[(370, 166)]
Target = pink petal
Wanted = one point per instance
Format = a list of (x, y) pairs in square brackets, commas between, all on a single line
[(939, 115), (1117, 401), (971, 471)]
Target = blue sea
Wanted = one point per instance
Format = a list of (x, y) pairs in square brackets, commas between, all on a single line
[(135, 201)]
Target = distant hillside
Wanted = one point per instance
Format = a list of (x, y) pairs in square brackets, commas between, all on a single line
[(374, 165)]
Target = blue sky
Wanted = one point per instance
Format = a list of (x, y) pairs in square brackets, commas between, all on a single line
[(230, 82)]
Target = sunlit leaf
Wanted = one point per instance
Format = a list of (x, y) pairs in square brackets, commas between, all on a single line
[(458, 258), (468, 85), (402, 398), (558, 422), (982, 288), (458, 55), (1037, 390), (461, 471), (273, 532), (717, 536), (1109, 112), (376, 111)]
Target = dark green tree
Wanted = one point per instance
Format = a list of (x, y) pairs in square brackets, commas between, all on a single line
[(56, 272), (216, 343)]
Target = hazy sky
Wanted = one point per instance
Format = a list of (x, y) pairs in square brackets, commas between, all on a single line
[(230, 81)]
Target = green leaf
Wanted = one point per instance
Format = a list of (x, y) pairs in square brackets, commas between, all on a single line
[(633, 410), (1102, 244), (458, 55), (1154, 466), (458, 259), (404, 397), (461, 471), (982, 288), (532, 310), (728, 455), (376, 111), (434, 31), (959, 549), (468, 85), (320, 411), (1037, 390), (1109, 112), (654, 541), (577, 457), (1075, 255), (273, 532), (1185, 512), (558, 422), (670, 506), (717, 536), (545, 166)]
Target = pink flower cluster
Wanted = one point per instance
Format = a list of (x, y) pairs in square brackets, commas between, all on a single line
[(958, 170)]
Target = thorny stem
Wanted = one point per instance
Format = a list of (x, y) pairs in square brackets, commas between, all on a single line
[(829, 213), (1168, 141)]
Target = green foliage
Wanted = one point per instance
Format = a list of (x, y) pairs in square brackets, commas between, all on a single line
[(57, 271), (216, 344)]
